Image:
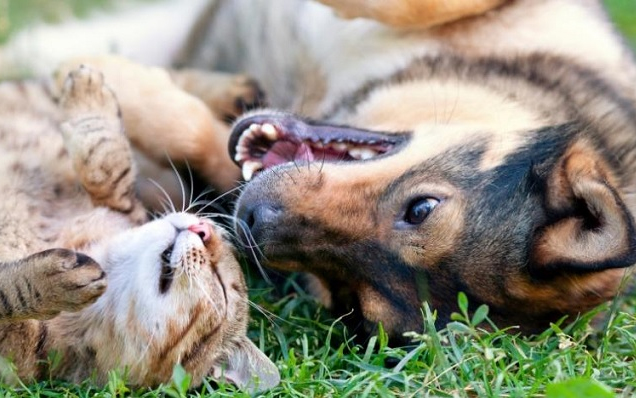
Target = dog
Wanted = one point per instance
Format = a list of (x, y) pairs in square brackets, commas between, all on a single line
[(418, 149), (490, 150)]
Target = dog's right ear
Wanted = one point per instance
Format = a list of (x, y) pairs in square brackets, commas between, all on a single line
[(590, 227)]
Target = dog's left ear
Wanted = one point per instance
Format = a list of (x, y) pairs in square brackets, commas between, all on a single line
[(590, 227)]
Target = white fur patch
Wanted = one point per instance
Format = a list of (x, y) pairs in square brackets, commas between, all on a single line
[(149, 33)]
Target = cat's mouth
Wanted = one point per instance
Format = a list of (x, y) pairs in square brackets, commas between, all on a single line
[(167, 271)]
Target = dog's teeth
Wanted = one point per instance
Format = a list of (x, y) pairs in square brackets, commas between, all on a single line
[(368, 153), (340, 146), (269, 131), (241, 153), (245, 136), (249, 168), (362, 153), (254, 127)]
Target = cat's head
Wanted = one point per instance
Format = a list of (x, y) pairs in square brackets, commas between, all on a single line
[(176, 294)]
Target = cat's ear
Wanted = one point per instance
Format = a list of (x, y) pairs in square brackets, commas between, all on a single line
[(248, 368)]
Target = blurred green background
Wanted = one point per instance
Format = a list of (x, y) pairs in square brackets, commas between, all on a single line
[(16, 13), (623, 12)]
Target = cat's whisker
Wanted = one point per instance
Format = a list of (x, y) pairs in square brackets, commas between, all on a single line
[(271, 317), (200, 199), (214, 201), (184, 200), (187, 208), (144, 353), (204, 204), (242, 228), (252, 246), (204, 291), (226, 228), (168, 199)]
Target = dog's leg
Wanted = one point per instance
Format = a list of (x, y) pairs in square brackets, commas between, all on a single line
[(412, 13)]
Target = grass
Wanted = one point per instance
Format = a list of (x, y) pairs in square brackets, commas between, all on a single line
[(318, 357)]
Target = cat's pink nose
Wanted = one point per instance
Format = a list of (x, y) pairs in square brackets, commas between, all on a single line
[(203, 229)]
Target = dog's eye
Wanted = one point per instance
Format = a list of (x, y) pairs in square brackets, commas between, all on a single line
[(419, 209)]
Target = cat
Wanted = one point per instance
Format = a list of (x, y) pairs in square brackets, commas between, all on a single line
[(85, 276)]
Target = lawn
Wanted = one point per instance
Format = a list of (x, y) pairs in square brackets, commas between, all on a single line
[(318, 357)]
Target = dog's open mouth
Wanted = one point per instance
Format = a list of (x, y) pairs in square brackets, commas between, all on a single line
[(263, 141)]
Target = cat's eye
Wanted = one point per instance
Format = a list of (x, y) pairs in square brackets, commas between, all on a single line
[(166, 255), (418, 209)]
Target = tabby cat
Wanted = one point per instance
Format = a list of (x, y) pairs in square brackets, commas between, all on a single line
[(70, 221)]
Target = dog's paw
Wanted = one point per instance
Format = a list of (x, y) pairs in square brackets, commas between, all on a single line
[(226, 95), (242, 94)]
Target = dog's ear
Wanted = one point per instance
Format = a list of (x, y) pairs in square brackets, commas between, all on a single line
[(590, 227)]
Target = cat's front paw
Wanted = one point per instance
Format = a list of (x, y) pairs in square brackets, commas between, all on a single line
[(67, 281), (86, 99)]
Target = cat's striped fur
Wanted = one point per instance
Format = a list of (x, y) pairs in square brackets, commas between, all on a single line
[(70, 221)]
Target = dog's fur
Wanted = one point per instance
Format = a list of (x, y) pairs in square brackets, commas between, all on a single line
[(511, 122), (516, 129)]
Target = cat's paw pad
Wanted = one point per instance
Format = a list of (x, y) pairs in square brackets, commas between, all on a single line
[(70, 280), (86, 97), (242, 95)]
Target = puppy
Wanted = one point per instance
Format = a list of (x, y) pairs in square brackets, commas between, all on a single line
[(493, 154)]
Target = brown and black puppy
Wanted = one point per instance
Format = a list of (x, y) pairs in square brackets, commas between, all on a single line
[(502, 170)]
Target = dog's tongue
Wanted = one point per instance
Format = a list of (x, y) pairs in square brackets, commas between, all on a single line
[(285, 151)]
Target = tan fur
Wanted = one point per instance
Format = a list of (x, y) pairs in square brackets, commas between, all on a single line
[(412, 13)]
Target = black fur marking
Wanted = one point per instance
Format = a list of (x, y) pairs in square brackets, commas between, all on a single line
[(28, 285), (8, 308), (98, 145), (540, 70), (23, 302), (82, 260), (40, 353), (121, 176), (199, 346), (85, 125)]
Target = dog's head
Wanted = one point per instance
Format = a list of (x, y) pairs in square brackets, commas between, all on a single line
[(403, 208)]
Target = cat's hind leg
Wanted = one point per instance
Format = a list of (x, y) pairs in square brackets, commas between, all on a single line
[(94, 136), (169, 124)]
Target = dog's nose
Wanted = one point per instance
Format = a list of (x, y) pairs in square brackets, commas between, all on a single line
[(258, 218)]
